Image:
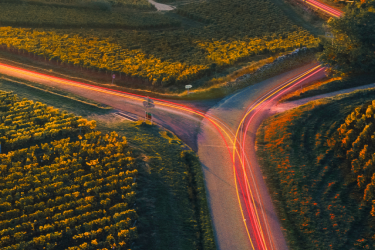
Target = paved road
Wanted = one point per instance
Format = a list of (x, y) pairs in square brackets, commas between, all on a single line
[(324, 7), (227, 186), (242, 211)]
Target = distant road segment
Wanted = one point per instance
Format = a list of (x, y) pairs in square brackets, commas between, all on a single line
[(324, 7)]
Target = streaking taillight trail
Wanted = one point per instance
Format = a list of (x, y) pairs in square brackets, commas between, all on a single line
[(325, 8), (250, 201)]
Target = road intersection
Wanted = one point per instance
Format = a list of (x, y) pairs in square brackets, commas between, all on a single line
[(242, 211)]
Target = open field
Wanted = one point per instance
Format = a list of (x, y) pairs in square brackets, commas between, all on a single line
[(317, 196), (171, 201), (221, 37)]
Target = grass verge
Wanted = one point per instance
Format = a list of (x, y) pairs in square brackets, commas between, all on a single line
[(54, 91), (329, 85), (315, 204)]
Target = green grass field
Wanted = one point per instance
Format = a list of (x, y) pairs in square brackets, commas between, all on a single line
[(171, 200), (318, 205)]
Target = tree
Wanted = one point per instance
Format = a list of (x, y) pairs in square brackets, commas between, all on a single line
[(352, 48)]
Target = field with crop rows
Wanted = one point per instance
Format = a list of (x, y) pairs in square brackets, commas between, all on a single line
[(169, 217), (319, 161), (91, 4), (354, 145), (236, 31), (61, 17), (66, 191)]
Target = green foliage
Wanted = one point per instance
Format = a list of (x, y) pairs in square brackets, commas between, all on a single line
[(352, 49), (63, 17), (198, 197), (99, 4), (174, 211)]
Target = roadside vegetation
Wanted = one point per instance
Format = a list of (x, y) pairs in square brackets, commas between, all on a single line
[(168, 190), (214, 36), (328, 85), (317, 159), (350, 49)]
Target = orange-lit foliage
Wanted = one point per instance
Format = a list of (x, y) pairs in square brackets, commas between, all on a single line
[(354, 144), (24, 123), (295, 150), (77, 192)]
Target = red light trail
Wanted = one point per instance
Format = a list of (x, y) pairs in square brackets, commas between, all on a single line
[(325, 8), (251, 199)]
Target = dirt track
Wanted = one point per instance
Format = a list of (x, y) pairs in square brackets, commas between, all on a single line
[(161, 6)]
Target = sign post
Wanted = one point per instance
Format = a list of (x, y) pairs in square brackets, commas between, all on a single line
[(113, 78), (187, 87), (148, 103), (149, 116)]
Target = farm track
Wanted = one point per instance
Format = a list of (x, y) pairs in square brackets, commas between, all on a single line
[(161, 6)]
